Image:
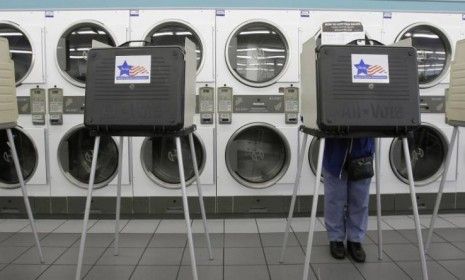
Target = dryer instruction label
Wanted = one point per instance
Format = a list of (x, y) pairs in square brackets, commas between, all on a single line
[(133, 69), (370, 68)]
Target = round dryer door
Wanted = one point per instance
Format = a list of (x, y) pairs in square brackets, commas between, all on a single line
[(160, 161), (313, 155), (20, 50), (257, 155), (175, 33), (75, 153), (434, 52), (27, 154), (73, 47), (428, 150), (257, 53)]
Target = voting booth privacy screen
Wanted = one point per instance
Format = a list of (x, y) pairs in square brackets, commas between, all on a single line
[(144, 90), (455, 97), (8, 105)]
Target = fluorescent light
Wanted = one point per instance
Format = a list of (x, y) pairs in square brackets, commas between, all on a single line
[(183, 33), (423, 35), (158, 34), (11, 34), (20, 51), (254, 32)]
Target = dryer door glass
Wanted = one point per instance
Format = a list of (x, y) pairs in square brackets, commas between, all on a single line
[(20, 50), (27, 154), (160, 161), (257, 155), (313, 155), (175, 33), (75, 154), (428, 150), (257, 54), (73, 47), (433, 50)]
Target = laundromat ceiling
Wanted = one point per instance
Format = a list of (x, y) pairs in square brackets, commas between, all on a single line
[(385, 5)]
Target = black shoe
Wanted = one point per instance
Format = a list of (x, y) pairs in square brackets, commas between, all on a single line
[(338, 251), (356, 251)]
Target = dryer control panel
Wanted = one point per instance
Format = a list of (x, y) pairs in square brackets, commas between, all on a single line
[(206, 104), (225, 105), (55, 105), (38, 105), (291, 105)]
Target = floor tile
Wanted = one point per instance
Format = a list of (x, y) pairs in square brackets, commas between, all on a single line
[(13, 225), (216, 239), (243, 256), (389, 237), (411, 235), (240, 240), (402, 252), (172, 226), (371, 251), (177, 240), (91, 255), (425, 221), (45, 226), (203, 272), (126, 256), (276, 239), (5, 235), (286, 272), (22, 271), (214, 226), (399, 222), (435, 271), (321, 254), (335, 271), (133, 240), (31, 256), (445, 251), (293, 255), (107, 226), (61, 272), (8, 254), (161, 272), (73, 226), (246, 273), (458, 221), (303, 224), (460, 245), (162, 256), (240, 226), (319, 238), (202, 256), (109, 272), (271, 225), (22, 239), (373, 224), (384, 271), (60, 239), (141, 226), (456, 267), (451, 234), (102, 240)]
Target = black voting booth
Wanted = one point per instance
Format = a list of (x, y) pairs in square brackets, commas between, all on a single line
[(142, 91), (351, 91)]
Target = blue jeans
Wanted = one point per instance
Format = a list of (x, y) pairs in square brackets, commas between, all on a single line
[(346, 207)]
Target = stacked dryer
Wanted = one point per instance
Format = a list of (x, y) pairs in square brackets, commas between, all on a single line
[(258, 103), (25, 33), (156, 171), (434, 36), (69, 37)]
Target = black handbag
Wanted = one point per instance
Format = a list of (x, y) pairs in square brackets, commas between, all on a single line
[(360, 168)]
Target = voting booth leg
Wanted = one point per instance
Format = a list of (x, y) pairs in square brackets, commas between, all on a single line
[(186, 208), (378, 198), (200, 192), (294, 197), (87, 209), (14, 154), (308, 252), (118, 195), (453, 140), (413, 196)]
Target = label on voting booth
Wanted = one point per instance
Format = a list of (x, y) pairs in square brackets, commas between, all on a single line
[(132, 69), (341, 32), (370, 68)]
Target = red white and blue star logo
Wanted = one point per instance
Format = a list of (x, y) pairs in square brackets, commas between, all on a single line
[(132, 69), (370, 68)]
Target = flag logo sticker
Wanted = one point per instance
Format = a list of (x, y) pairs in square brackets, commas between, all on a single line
[(133, 69), (370, 68)]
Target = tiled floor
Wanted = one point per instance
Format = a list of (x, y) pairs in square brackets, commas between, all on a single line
[(243, 249)]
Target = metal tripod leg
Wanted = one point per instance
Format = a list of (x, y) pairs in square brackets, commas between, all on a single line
[(199, 190), (441, 187), (308, 252), (378, 198), (118, 195), (413, 196), (19, 173), (186, 208), (294, 197), (87, 209)]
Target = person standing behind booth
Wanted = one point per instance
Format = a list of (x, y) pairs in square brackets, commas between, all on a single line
[(347, 169)]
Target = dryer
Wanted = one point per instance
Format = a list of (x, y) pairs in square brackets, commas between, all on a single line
[(69, 37), (25, 34), (257, 90), (434, 36), (155, 162)]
